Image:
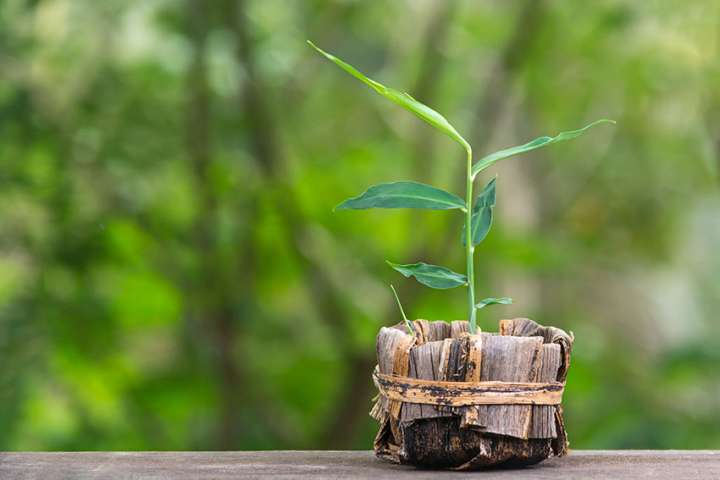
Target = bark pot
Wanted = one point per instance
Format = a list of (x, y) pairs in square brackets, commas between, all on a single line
[(448, 399)]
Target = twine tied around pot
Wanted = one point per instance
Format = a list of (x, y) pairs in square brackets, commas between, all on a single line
[(460, 394)]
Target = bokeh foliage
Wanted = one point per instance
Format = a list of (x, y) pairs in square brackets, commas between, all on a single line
[(172, 276)]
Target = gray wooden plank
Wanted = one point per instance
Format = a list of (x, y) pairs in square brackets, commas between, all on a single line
[(621, 464)]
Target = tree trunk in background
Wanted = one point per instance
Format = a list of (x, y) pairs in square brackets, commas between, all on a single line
[(214, 306), (263, 138)]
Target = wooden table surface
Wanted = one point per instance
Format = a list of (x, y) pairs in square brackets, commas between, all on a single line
[(591, 464)]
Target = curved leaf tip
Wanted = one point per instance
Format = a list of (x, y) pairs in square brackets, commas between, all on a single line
[(403, 99), (539, 142)]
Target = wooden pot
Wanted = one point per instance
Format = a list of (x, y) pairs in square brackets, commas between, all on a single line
[(449, 399)]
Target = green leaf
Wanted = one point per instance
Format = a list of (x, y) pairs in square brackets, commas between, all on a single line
[(485, 162), (432, 276), (482, 214), (403, 195), (401, 98), (493, 301)]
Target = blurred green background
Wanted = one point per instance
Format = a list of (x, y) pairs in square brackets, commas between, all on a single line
[(172, 275)]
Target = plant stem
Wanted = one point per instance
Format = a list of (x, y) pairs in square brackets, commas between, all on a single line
[(469, 247)]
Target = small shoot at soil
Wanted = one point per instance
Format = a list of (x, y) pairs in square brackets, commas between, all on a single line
[(408, 323), (478, 212)]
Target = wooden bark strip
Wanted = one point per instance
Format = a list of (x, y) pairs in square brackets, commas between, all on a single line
[(391, 343), (458, 328), (400, 367), (388, 341), (457, 361), (560, 445), (393, 349), (438, 331), (554, 336), (524, 327), (422, 331), (543, 417), (433, 361), (458, 394), (445, 353), (385, 347), (453, 350), (473, 358), (510, 359), (424, 362)]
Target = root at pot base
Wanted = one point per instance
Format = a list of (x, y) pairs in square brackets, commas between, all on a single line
[(447, 433)]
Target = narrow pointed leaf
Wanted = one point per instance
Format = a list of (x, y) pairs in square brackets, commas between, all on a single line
[(403, 195), (494, 301), (482, 215), (408, 323), (401, 98), (485, 162), (432, 276)]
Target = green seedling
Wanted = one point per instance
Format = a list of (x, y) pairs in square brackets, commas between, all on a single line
[(408, 323), (478, 212)]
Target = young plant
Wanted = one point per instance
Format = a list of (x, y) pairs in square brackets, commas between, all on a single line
[(478, 215)]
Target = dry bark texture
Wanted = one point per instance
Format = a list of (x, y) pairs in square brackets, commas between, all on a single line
[(471, 436)]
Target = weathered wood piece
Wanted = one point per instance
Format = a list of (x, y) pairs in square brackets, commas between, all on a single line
[(424, 364), (458, 327), (393, 349), (509, 359), (543, 417), (446, 424), (524, 327), (554, 336), (393, 352)]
